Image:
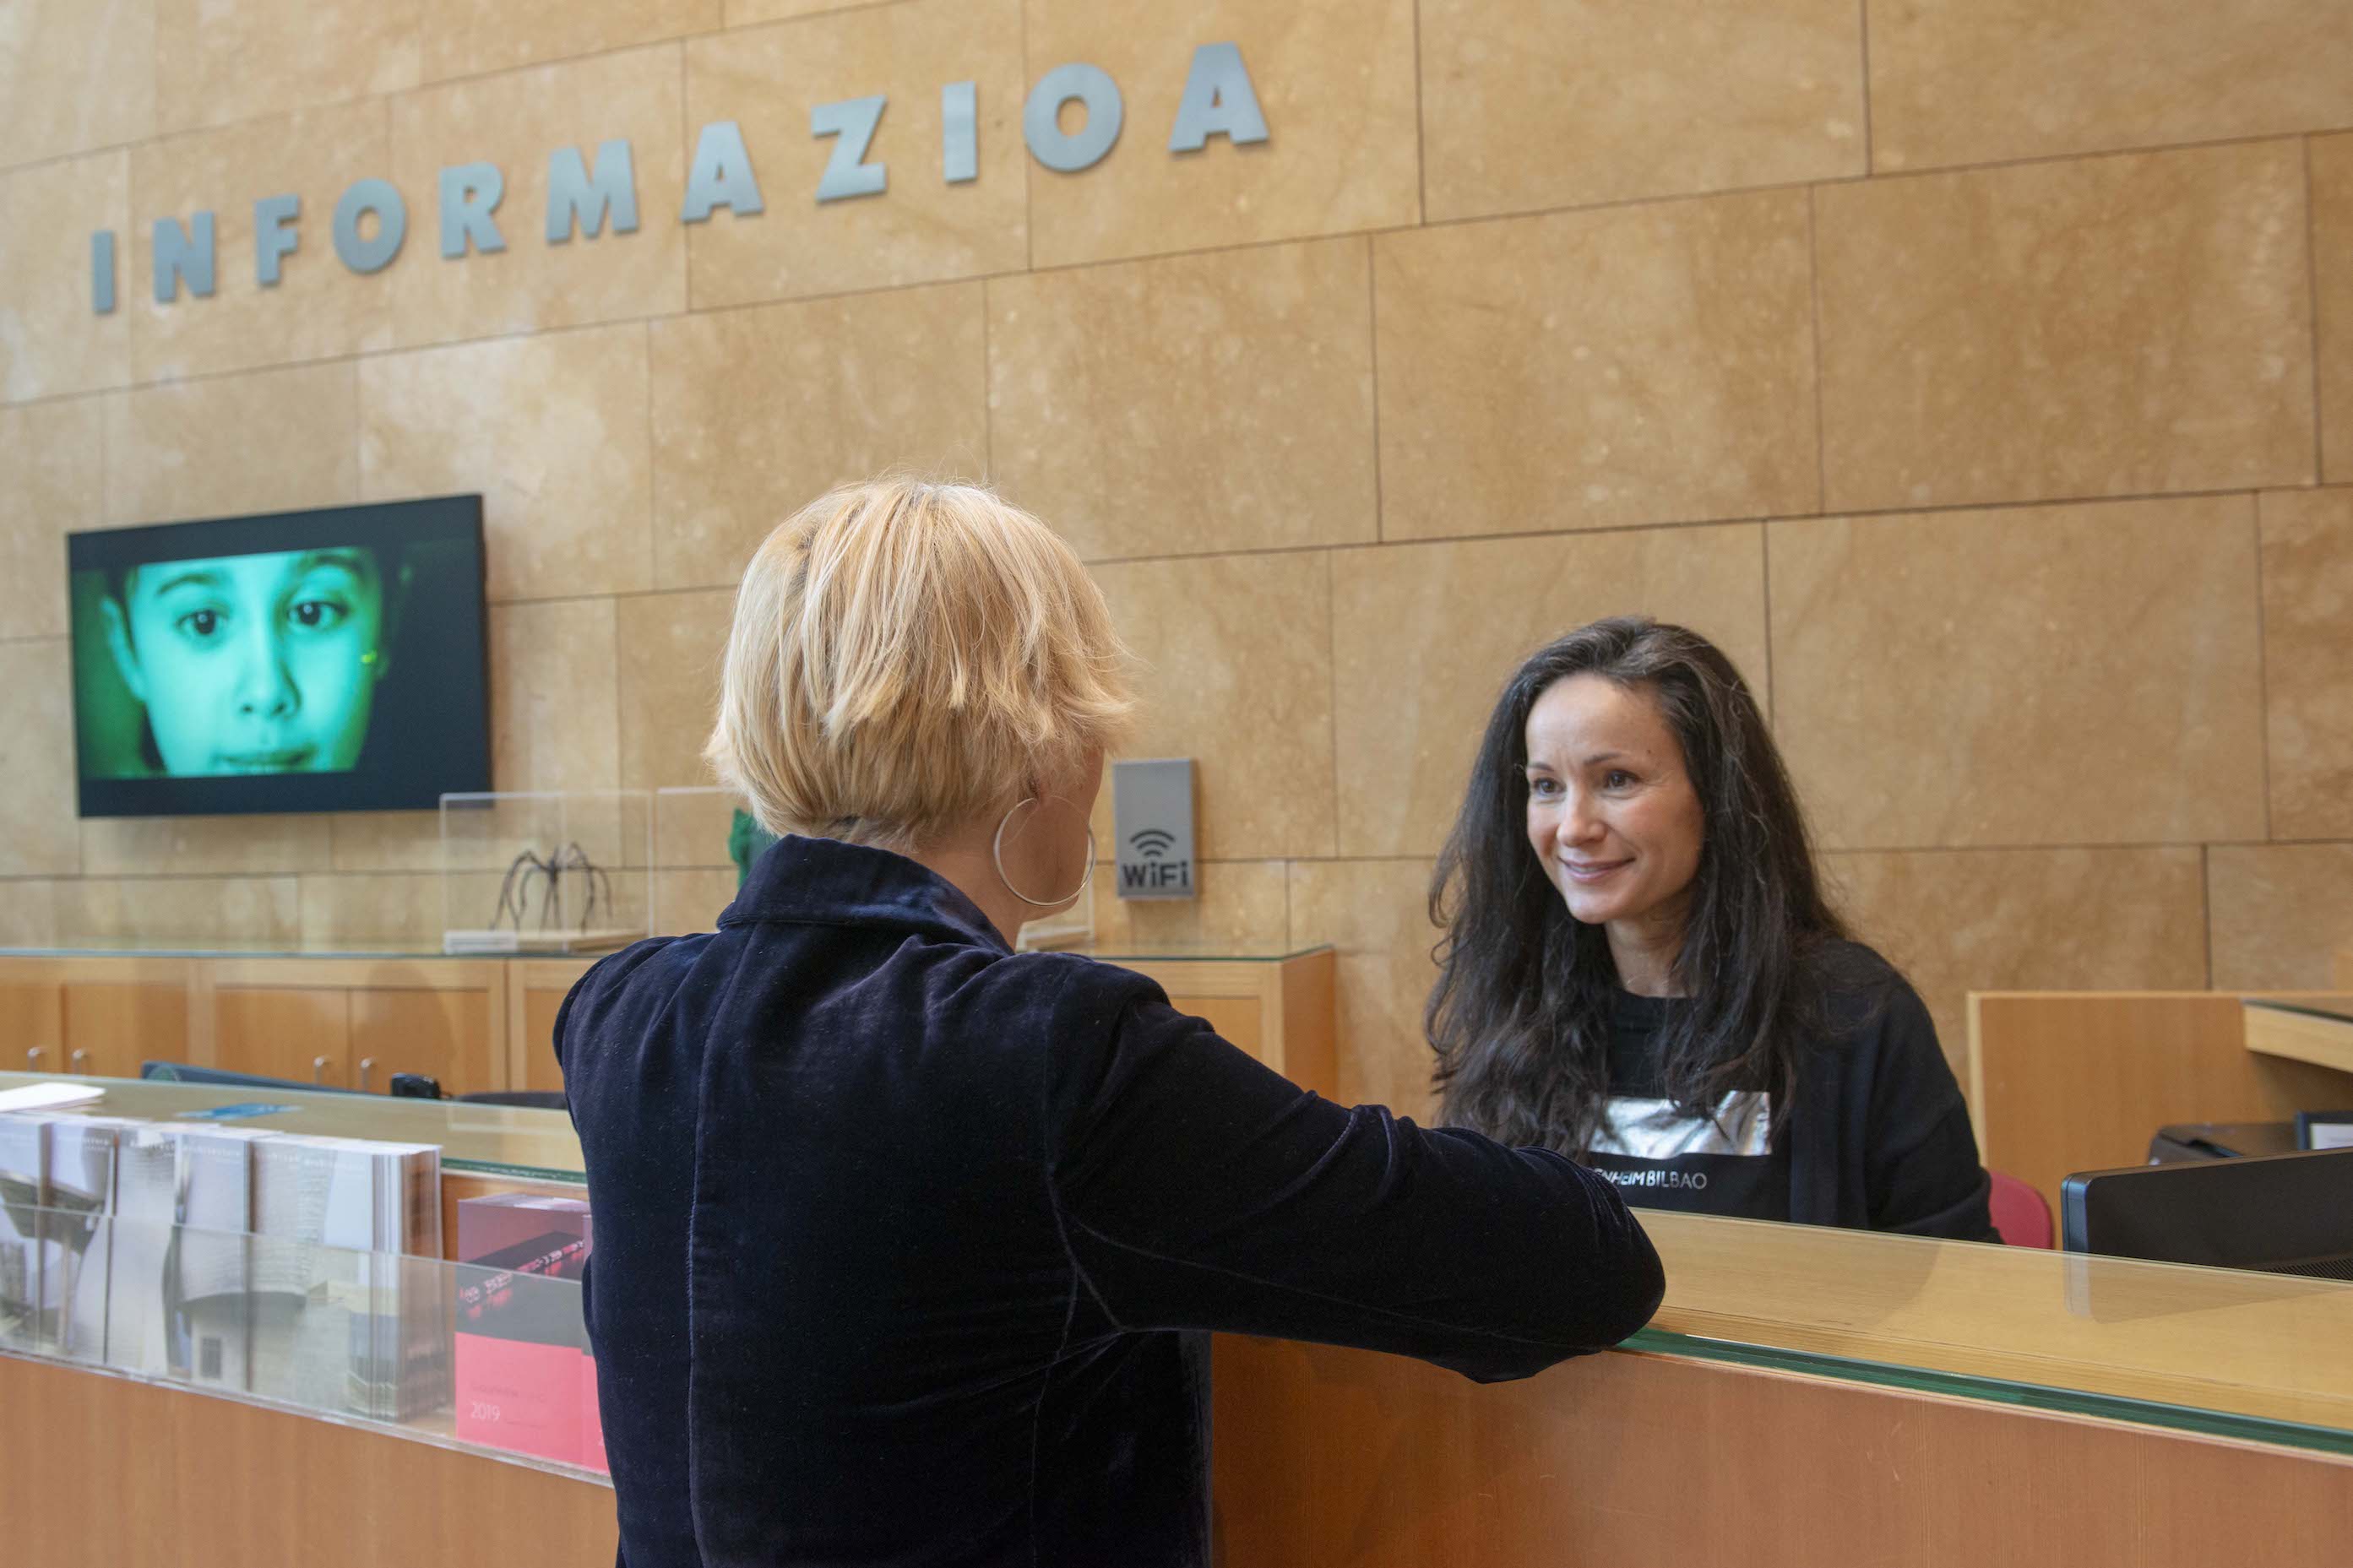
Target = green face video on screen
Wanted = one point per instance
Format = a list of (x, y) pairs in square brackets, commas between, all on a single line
[(242, 664)]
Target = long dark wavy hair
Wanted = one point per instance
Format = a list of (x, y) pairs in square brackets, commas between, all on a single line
[(1521, 1013)]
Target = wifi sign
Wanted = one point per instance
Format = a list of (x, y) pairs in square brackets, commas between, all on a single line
[(1152, 813)]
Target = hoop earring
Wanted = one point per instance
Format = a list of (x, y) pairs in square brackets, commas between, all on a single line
[(997, 854)]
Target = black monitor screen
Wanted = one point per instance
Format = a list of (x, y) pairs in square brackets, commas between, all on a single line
[(302, 661)]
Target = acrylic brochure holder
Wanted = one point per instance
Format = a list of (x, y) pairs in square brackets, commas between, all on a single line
[(545, 872), (465, 1355)]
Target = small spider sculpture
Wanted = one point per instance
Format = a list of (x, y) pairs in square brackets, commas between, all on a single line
[(527, 869)]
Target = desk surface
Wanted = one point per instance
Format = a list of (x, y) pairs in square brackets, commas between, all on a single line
[(2265, 1357)]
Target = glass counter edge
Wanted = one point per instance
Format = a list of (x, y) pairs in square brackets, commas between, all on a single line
[(1978, 1388)]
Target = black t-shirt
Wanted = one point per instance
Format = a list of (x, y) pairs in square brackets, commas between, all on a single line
[(1878, 1137), (1727, 1165)]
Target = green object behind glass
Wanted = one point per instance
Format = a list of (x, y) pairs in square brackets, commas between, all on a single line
[(746, 840)]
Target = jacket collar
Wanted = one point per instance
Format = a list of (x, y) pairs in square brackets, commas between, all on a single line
[(823, 882)]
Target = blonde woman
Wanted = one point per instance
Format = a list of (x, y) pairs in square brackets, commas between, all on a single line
[(904, 1240)]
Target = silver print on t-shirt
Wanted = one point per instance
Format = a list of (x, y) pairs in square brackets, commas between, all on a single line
[(1653, 1130)]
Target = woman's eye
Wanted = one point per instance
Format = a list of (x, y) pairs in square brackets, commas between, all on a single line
[(317, 614), (1616, 778), (1544, 789), (200, 625)]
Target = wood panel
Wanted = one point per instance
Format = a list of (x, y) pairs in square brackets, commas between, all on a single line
[(1331, 1457), (2325, 1041), (127, 1475), (31, 1026), (2067, 1081), (446, 1035), (301, 1034), (117, 1027), (1241, 1021)]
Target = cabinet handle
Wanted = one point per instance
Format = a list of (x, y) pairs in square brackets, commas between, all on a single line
[(367, 1071), (74, 1063), (33, 1059), (318, 1069)]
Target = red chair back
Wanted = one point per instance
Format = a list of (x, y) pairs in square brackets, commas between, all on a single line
[(2019, 1212)]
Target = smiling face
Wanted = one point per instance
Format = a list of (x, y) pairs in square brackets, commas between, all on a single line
[(1613, 816), (254, 664)]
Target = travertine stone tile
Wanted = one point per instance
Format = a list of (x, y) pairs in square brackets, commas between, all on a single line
[(1375, 913), (516, 122), (464, 37), (555, 696), (2037, 676), (39, 836), (1547, 103), (692, 900), (363, 912), (51, 342), (218, 63), (758, 412), (1994, 80), (2332, 256), (318, 309), (1334, 80), (690, 823), (921, 229), (556, 683), (670, 645), (1242, 907), (748, 13), (261, 912), (386, 841), (2283, 914), (551, 429), (2104, 326), (1593, 370), (75, 75), (1190, 404), (2027, 920), (2308, 660), (1233, 670), (1425, 635), (55, 485), (231, 846), (269, 441), (28, 912)]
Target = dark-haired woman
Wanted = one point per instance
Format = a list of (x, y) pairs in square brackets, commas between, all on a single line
[(1640, 969)]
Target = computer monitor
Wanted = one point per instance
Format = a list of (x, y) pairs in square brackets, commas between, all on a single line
[(2283, 1214)]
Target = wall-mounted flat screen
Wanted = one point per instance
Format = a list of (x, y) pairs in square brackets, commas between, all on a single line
[(328, 660)]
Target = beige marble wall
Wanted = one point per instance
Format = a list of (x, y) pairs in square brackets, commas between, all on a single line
[(1979, 375)]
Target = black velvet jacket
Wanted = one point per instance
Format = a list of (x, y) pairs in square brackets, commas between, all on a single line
[(903, 1238)]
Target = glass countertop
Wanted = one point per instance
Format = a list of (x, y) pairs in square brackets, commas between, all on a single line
[(2258, 1357), (486, 1139)]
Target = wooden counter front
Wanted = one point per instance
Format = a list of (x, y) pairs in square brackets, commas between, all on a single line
[(1328, 1457), (111, 1472)]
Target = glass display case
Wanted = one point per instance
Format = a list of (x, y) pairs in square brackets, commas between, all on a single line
[(538, 872), (2256, 1357)]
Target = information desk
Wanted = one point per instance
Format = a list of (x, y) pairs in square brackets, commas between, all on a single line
[(1804, 1396), (353, 1019)]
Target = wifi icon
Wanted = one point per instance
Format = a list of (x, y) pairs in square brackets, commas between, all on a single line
[(1151, 843)]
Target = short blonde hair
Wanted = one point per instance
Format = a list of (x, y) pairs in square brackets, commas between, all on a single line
[(908, 658)]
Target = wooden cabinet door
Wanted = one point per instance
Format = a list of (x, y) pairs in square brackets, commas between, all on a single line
[(112, 1026), (32, 1027), (302, 1036), (445, 1035)]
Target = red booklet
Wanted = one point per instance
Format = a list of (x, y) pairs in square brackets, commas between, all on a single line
[(524, 1378)]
